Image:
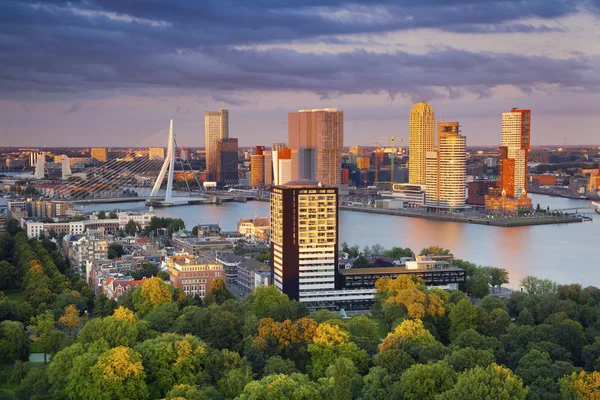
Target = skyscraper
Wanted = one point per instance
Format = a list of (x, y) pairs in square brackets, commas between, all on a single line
[(420, 140), (516, 138), (318, 137), (257, 167), (304, 238), (216, 126), (100, 154), (156, 153), (227, 162), (446, 169)]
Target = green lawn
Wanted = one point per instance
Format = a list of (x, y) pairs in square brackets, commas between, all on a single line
[(35, 347), (15, 295)]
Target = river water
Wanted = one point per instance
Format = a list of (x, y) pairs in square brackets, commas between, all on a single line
[(565, 253)]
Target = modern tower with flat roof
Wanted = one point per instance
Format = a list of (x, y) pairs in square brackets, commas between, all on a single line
[(100, 154), (216, 126), (420, 141), (318, 137), (304, 238), (514, 152)]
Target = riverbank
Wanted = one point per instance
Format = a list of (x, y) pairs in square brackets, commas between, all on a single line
[(556, 193), (503, 222)]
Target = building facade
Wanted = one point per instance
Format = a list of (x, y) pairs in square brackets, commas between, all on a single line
[(156, 153), (304, 238), (100, 154), (318, 137), (516, 142), (227, 162), (446, 169), (421, 137), (194, 274), (216, 126)]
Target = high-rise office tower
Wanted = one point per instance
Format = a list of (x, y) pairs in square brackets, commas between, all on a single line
[(216, 126), (268, 167), (40, 165), (274, 156), (227, 162), (420, 140), (257, 167), (65, 167), (304, 238), (318, 137), (100, 154), (516, 139), (156, 153), (446, 169), (282, 165)]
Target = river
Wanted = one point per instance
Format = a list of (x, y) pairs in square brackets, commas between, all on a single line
[(565, 253)]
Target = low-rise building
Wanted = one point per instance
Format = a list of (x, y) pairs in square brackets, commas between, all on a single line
[(194, 273), (230, 265), (114, 288), (256, 229), (196, 245), (246, 274)]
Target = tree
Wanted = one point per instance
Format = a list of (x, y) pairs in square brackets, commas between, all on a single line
[(377, 384), (45, 332), (352, 251), (71, 318), (360, 261), (279, 365), (478, 285), (115, 250), (424, 381), (491, 382), (162, 316), (497, 276), (533, 365), (398, 252), (377, 250), (103, 306), (114, 331), (9, 276), (131, 228), (283, 387), (170, 359), (151, 293), (102, 215), (344, 378), (434, 250), (408, 332), (462, 316), (38, 286), (407, 295), (195, 231), (582, 385), (363, 332), (467, 358), (218, 293), (394, 361), (537, 286), (14, 344), (234, 381), (268, 302)]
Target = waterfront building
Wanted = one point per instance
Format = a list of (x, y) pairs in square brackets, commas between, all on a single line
[(446, 170), (505, 205), (194, 273), (100, 154), (421, 137), (282, 165), (261, 167), (227, 162), (516, 141), (477, 190), (304, 238), (156, 153), (411, 195), (318, 137), (256, 229), (216, 126)]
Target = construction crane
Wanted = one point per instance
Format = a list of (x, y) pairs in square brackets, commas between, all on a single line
[(392, 149)]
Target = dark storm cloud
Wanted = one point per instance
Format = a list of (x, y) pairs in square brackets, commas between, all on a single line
[(78, 46)]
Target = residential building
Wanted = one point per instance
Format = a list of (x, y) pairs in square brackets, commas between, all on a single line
[(257, 167), (411, 195), (420, 141), (516, 139), (156, 153), (318, 136), (230, 264), (304, 238), (246, 274), (100, 154), (256, 230), (227, 162), (114, 288), (196, 245), (282, 165), (216, 126), (2, 222), (194, 273), (446, 170)]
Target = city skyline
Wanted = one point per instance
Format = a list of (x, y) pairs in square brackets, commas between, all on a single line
[(372, 61)]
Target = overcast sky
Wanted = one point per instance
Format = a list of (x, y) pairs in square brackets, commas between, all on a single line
[(112, 72)]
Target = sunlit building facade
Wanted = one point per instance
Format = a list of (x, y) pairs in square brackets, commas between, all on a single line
[(304, 238), (516, 138), (194, 274), (216, 127), (100, 154), (421, 138)]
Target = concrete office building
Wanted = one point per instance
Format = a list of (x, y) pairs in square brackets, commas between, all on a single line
[(446, 170), (261, 167), (216, 127), (318, 137), (304, 238), (420, 141), (100, 154), (282, 165)]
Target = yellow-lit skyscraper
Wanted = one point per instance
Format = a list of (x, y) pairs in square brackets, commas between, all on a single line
[(446, 169), (216, 127), (516, 139), (100, 154), (420, 141)]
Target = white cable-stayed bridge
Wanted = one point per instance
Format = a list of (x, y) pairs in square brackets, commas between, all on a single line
[(139, 174)]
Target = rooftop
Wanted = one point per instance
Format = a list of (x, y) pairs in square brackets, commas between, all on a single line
[(393, 270), (302, 183)]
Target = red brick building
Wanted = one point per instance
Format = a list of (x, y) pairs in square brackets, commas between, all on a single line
[(194, 274)]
